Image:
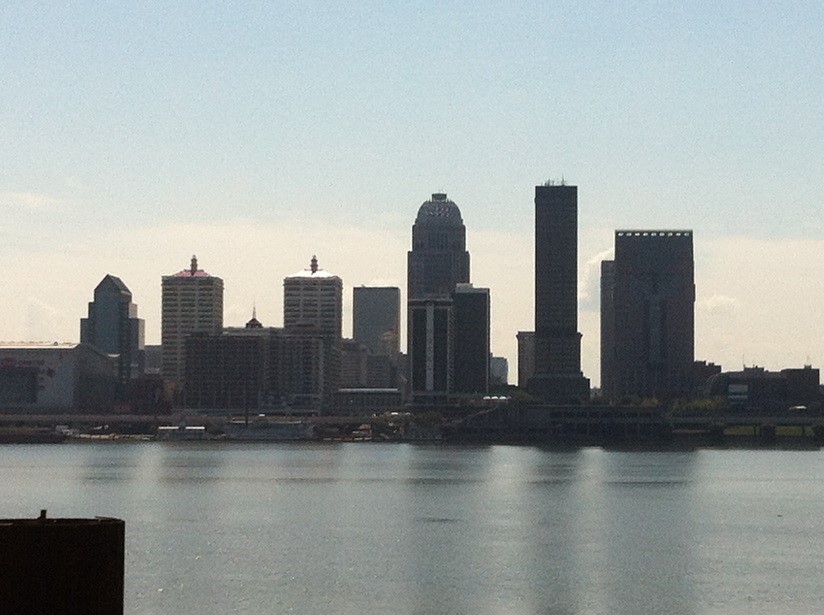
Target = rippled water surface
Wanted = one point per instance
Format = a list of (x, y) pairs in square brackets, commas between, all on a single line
[(215, 528)]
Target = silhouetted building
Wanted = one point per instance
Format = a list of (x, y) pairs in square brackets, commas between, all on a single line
[(313, 298), (431, 333), (652, 326), (526, 357), (192, 303), (702, 371), (758, 390), (498, 371), (471, 360), (376, 318), (438, 259), (45, 378), (227, 371), (558, 377), (262, 367), (353, 364), (608, 330), (114, 328)]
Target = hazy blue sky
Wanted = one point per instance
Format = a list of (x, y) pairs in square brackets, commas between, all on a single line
[(135, 134)]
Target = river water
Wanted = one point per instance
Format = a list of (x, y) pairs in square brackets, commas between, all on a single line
[(216, 528)]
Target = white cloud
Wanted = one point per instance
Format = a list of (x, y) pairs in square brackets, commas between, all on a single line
[(589, 282), (27, 200)]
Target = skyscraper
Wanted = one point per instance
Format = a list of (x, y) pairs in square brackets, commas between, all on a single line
[(313, 299), (653, 316), (113, 327), (438, 259), (431, 333), (192, 303), (607, 329), (471, 362), (376, 318), (558, 377)]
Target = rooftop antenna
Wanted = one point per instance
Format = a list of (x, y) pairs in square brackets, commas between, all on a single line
[(313, 264), (194, 265)]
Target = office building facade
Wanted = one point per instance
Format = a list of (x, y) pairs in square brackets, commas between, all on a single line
[(431, 333), (113, 327), (471, 362), (438, 259), (376, 313), (313, 300), (192, 302), (649, 327), (557, 378)]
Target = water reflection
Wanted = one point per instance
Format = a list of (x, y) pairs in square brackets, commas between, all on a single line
[(255, 528)]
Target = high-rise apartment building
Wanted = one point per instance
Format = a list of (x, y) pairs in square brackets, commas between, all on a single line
[(313, 299), (471, 362), (114, 328), (438, 259), (376, 318), (558, 377), (650, 323), (192, 303)]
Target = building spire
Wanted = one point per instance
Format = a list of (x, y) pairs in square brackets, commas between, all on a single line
[(313, 265), (193, 268)]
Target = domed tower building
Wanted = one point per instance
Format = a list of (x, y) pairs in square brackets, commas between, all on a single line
[(437, 264), (438, 260)]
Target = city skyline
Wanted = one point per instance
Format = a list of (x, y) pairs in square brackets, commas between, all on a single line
[(143, 134)]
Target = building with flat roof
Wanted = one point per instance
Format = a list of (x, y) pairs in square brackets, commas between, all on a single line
[(471, 361), (648, 316), (376, 313), (557, 377), (56, 378), (192, 302)]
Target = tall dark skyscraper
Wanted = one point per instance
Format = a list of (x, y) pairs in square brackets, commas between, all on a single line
[(471, 363), (113, 327), (653, 324), (558, 377), (438, 259), (607, 328)]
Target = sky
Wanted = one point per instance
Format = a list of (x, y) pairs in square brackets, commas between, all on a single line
[(137, 134)]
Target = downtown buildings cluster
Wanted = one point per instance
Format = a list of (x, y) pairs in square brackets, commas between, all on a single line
[(307, 366)]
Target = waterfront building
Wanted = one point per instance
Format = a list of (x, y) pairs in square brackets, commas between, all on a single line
[(757, 389), (557, 377), (471, 361), (608, 373), (262, 367), (51, 378), (431, 333), (648, 317), (526, 357), (376, 318), (313, 298), (438, 259), (192, 302), (113, 327)]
